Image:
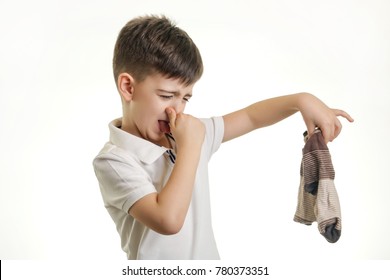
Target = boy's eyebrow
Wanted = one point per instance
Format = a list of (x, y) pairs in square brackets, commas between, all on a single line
[(173, 92)]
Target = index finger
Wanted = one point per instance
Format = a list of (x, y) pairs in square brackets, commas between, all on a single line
[(341, 113)]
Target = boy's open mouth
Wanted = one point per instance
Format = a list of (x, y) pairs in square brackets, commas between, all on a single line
[(164, 126)]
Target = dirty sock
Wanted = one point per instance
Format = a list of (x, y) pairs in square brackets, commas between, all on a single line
[(317, 196)]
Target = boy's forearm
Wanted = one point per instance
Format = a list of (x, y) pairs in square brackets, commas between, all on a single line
[(165, 212), (270, 111), (273, 110), (174, 199), (260, 114)]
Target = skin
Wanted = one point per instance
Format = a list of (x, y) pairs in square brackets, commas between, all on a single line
[(157, 98)]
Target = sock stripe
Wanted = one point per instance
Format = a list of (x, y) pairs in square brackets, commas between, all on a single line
[(314, 171)]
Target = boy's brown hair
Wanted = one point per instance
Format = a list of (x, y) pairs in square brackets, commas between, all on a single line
[(151, 44)]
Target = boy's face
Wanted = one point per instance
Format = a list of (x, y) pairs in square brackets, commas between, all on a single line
[(145, 114)]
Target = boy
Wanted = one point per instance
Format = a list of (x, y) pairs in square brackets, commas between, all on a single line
[(153, 172)]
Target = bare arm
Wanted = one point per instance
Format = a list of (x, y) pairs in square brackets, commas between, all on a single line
[(165, 212), (270, 111)]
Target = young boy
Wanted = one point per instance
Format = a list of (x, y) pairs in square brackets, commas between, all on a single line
[(153, 172)]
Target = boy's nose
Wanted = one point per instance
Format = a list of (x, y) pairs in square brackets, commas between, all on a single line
[(178, 106)]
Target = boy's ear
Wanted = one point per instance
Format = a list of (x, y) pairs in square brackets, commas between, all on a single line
[(126, 86)]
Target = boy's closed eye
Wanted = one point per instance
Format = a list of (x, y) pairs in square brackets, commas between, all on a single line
[(166, 96), (185, 98)]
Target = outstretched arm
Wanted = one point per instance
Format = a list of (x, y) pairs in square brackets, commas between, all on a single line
[(270, 111)]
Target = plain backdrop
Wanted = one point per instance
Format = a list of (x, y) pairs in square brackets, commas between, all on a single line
[(57, 96)]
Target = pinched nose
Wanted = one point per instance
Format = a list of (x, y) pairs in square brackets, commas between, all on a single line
[(178, 105)]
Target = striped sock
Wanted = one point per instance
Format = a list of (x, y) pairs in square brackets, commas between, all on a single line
[(317, 197)]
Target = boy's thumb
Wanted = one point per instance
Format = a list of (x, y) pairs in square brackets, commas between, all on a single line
[(172, 116)]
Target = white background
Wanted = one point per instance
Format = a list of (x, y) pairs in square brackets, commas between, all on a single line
[(57, 95)]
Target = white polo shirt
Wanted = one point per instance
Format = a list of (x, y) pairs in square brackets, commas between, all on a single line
[(129, 167)]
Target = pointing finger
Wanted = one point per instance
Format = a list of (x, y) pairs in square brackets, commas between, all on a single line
[(341, 113)]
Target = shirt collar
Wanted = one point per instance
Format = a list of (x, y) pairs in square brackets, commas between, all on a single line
[(146, 151)]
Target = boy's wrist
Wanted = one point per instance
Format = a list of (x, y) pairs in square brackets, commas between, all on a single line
[(188, 151), (303, 98)]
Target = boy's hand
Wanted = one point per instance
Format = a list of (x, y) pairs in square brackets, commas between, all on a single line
[(187, 130), (316, 114)]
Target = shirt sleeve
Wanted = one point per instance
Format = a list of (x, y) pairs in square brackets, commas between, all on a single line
[(214, 134), (122, 181)]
